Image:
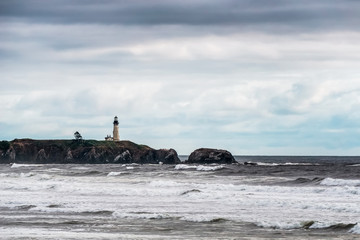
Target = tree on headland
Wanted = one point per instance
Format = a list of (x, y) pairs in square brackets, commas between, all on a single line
[(4, 146), (78, 136)]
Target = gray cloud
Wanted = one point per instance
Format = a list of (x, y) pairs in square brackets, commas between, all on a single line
[(272, 15), (254, 77)]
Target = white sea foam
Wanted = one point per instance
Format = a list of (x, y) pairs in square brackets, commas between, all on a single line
[(279, 225), (201, 218), (340, 182), (18, 165), (184, 166), (80, 168), (114, 174), (199, 167), (209, 168), (29, 174), (140, 215), (354, 165), (44, 176), (38, 176), (165, 183), (355, 229), (26, 175), (300, 164), (11, 175), (149, 215), (284, 164), (208, 198), (266, 164), (308, 224), (23, 232), (130, 164), (54, 170), (320, 225)]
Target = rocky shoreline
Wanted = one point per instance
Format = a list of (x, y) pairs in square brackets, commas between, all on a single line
[(100, 152)]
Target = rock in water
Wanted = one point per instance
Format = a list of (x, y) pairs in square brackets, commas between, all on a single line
[(168, 156), (208, 155)]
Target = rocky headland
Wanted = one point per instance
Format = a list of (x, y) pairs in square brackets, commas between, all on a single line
[(84, 151)]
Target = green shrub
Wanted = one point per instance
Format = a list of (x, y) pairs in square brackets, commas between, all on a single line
[(4, 145)]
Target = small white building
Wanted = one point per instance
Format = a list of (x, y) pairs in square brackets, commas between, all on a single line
[(109, 138)]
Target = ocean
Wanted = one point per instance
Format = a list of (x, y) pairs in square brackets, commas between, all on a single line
[(260, 198)]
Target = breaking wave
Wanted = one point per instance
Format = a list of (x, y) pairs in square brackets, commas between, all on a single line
[(198, 168), (140, 215), (114, 174), (301, 180), (351, 227), (42, 176), (340, 182), (203, 218), (209, 168), (279, 225), (332, 226), (18, 165), (100, 212), (184, 166), (354, 165), (355, 229), (88, 173), (157, 216), (25, 207)]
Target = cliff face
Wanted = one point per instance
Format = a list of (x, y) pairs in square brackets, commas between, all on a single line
[(88, 151)]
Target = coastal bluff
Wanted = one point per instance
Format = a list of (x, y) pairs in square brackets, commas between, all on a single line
[(84, 151)]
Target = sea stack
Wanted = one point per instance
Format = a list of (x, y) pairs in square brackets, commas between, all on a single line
[(209, 155), (116, 136)]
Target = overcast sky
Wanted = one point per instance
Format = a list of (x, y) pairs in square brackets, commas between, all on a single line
[(253, 77)]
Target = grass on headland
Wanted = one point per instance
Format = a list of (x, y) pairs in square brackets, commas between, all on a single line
[(73, 144)]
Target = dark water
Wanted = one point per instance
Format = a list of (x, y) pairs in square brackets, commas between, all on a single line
[(268, 198), (345, 160)]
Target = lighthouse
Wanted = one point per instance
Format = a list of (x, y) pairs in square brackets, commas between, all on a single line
[(116, 136)]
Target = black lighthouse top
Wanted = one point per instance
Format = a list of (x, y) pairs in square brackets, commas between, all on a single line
[(116, 122)]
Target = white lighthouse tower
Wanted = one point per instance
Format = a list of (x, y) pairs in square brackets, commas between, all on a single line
[(116, 136)]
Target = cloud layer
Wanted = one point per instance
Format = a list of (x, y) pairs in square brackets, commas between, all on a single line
[(248, 76)]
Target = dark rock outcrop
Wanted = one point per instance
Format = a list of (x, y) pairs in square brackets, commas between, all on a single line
[(41, 156), (124, 157), (169, 156), (250, 164), (87, 151), (209, 155)]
